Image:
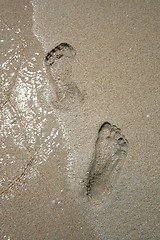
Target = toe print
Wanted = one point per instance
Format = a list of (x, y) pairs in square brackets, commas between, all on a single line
[(62, 50), (110, 153), (59, 67)]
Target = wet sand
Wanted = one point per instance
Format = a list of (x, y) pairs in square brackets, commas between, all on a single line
[(46, 150)]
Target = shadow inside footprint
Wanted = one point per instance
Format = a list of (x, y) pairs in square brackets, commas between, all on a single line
[(59, 67), (109, 156)]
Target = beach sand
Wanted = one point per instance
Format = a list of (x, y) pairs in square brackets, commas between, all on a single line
[(47, 147)]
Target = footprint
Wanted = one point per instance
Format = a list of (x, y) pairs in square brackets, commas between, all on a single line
[(109, 156), (59, 68)]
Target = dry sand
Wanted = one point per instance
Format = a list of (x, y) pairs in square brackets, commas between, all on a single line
[(46, 151)]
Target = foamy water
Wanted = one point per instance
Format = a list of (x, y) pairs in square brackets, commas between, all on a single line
[(25, 121)]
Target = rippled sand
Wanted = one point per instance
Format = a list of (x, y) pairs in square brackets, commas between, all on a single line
[(46, 150)]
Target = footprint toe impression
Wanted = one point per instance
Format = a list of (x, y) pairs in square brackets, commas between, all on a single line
[(62, 50), (109, 156)]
